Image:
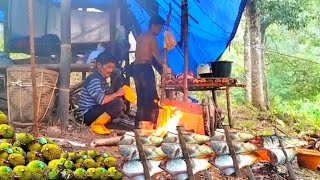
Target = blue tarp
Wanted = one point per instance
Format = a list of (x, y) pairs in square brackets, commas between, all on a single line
[(1, 16), (212, 25)]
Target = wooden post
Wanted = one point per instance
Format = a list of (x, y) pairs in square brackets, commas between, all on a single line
[(65, 63), (231, 122), (33, 71), (185, 154), (184, 8), (165, 58), (232, 152), (142, 155)]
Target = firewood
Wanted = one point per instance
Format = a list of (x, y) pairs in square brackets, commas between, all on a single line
[(112, 141)]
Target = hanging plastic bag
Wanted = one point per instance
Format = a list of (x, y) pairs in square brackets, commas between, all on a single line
[(169, 40)]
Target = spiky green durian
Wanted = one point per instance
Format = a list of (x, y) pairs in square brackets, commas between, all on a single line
[(49, 141), (89, 163), (4, 162), (93, 173), (6, 131), (78, 165), (54, 174), (83, 153), (7, 140), (5, 173), (69, 164), (65, 155), (5, 145), (93, 153), (38, 169), (34, 155), (103, 173), (34, 146), (18, 150), (53, 164), (99, 159), (16, 159), (80, 173), (24, 138), (3, 118), (17, 144), (110, 162), (22, 172), (4, 154), (51, 151), (73, 156), (115, 174)]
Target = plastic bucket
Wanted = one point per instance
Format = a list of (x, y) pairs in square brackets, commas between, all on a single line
[(221, 68)]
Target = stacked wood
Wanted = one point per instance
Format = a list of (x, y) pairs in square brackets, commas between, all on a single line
[(313, 141)]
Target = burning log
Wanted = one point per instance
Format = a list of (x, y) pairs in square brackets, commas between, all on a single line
[(111, 141)]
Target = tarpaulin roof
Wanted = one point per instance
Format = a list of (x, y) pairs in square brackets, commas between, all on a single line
[(212, 25)]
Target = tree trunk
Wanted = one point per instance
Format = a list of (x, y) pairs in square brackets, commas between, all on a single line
[(247, 58), (256, 64), (264, 67)]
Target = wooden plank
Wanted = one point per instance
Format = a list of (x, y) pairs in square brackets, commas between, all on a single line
[(54, 67), (185, 154), (142, 155), (231, 122)]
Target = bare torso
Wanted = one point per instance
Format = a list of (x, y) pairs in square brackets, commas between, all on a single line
[(145, 48)]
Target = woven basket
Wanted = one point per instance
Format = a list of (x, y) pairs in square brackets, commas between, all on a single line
[(20, 96)]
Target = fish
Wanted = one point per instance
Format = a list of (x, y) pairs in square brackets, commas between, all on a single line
[(129, 139), (277, 156), (221, 147), (273, 141), (134, 169), (225, 162), (178, 168), (193, 138), (174, 150), (235, 136), (130, 152)]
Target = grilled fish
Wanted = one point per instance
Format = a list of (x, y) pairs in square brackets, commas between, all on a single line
[(134, 169), (188, 137), (195, 150), (277, 156), (178, 169), (273, 141), (221, 147), (130, 152), (129, 139), (235, 136)]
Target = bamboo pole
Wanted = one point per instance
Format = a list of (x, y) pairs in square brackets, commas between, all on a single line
[(65, 63), (33, 71), (142, 155), (184, 8), (185, 154)]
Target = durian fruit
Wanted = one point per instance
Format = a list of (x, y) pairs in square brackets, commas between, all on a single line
[(114, 173), (69, 164), (65, 155), (89, 163), (22, 172), (110, 162), (73, 156), (34, 155), (18, 150), (5, 145), (103, 173), (34, 146), (38, 169), (93, 153), (16, 159), (51, 151), (7, 140), (24, 138), (99, 159), (78, 165), (83, 153), (3, 118), (80, 173), (53, 164), (4, 154), (54, 174), (93, 173), (49, 141), (17, 144), (5, 173), (4, 162), (6, 131)]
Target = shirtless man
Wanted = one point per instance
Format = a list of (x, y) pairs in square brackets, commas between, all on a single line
[(144, 78)]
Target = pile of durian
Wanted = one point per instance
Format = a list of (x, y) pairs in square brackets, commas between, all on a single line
[(22, 157)]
